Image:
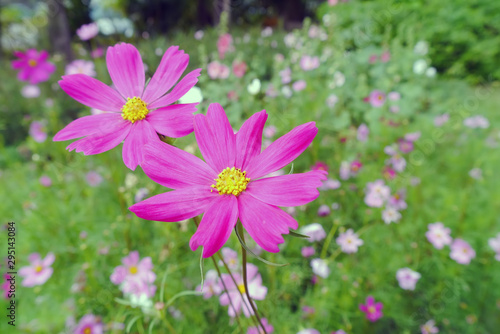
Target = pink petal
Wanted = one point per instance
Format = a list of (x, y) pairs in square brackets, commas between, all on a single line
[(215, 138), (288, 190), (86, 125), (44, 275), (179, 90), (173, 121), (176, 205), (252, 271), (126, 69), (249, 139), (141, 133), (104, 140), (132, 259), (265, 223), (91, 92), (17, 64), (145, 264), (172, 65), (34, 257), (27, 271), (49, 259), (174, 168), (216, 225), (119, 275), (283, 151)]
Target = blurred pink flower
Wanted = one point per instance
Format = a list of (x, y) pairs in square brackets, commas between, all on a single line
[(397, 201), (407, 278), (385, 57), (330, 184), (37, 132), (438, 235), (405, 146), (349, 241), (299, 85), (233, 296), (93, 178), (269, 131), (376, 98), (258, 330), (323, 210), (345, 170), (373, 59), (286, 75), (307, 251), (477, 121), (308, 63), (211, 284), (80, 66), (97, 52), (391, 215), (141, 194), (239, 68), (394, 96), (315, 232), (440, 120), (88, 31), (45, 181), (429, 327), (230, 256), (320, 267), (377, 193), (137, 114), (30, 91), (39, 270), (135, 276), (389, 173), (494, 243), (320, 165), (216, 70), (363, 132), (224, 44), (33, 65), (372, 310), (355, 167), (89, 324), (461, 251), (412, 136)]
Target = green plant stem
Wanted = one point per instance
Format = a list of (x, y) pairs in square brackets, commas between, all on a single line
[(328, 240)]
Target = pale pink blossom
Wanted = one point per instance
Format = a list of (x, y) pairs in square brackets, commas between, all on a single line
[(38, 271), (286, 75), (211, 284), (429, 327), (461, 251), (230, 257), (320, 268), (407, 278), (81, 66), (438, 235), (391, 215), (441, 119), (88, 31), (363, 132), (299, 85), (217, 70), (224, 44), (315, 232), (323, 210), (89, 324), (494, 243), (376, 98), (349, 241), (239, 68), (308, 63), (258, 330), (330, 184), (93, 178), (30, 91), (377, 193), (307, 251), (135, 276)]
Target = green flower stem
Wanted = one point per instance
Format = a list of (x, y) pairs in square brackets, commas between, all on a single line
[(245, 281), (328, 240)]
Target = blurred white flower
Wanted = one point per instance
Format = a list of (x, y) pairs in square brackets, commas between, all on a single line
[(254, 87), (194, 95), (421, 48), (420, 66), (431, 72)]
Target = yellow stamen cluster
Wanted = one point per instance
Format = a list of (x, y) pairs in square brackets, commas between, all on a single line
[(87, 330), (133, 270), (231, 181), (241, 287), (32, 62), (135, 109), (38, 268)]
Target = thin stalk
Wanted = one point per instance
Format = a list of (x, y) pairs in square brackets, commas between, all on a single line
[(245, 280)]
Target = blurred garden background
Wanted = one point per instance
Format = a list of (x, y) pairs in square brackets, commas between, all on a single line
[(404, 236)]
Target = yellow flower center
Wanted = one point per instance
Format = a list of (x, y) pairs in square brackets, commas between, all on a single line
[(135, 109), (32, 62), (87, 330), (241, 287), (133, 270), (231, 181), (371, 309), (38, 268)]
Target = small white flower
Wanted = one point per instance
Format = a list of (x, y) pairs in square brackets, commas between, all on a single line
[(254, 87), (421, 48), (194, 95), (419, 66), (320, 268)]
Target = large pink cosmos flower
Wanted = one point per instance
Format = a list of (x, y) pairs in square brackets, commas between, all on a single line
[(136, 114), (33, 66), (231, 184), (39, 270)]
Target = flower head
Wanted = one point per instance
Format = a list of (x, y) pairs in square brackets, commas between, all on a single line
[(429, 327), (135, 276), (224, 44), (136, 114), (495, 245), (39, 270), (407, 278), (37, 131), (88, 31), (314, 231), (211, 285), (320, 267), (33, 66), (438, 235), (363, 132), (258, 330), (461, 251), (372, 310), (349, 241), (81, 66), (376, 98), (89, 324), (231, 184)]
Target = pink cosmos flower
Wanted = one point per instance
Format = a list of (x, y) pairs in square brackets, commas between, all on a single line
[(39, 270), (349, 241), (258, 330), (315, 232), (135, 276), (495, 245), (476, 173), (37, 131), (391, 215), (211, 284), (307, 251), (373, 59), (394, 96), (269, 131), (88, 31), (407, 278), (217, 70), (438, 235), (405, 146), (320, 165), (230, 185), (397, 162), (320, 267), (397, 201), (230, 257), (80, 66), (376, 98), (6, 286), (93, 178), (329, 184), (255, 289), (385, 57), (429, 327), (389, 173), (340, 331), (377, 193), (33, 65), (141, 194), (239, 68), (440, 120), (363, 133), (308, 63), (97, 52), (224, 44), (286, 75), (355, 167), (30, 91), (299, 85), (89, 324), (461, 251), (372, 310), (45, 181), (323, 210), (137, 114)]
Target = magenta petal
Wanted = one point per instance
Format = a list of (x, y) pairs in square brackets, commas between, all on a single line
[(86, 125), (215, 138), (288, 190), (216, 225), (265, 223), (249, 139), (179, 90), (91, 92), (141, 133), (172, 65), (173, 121), (126, 69), (174, 168), (283, 151), (175, 205), (103, 140)]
